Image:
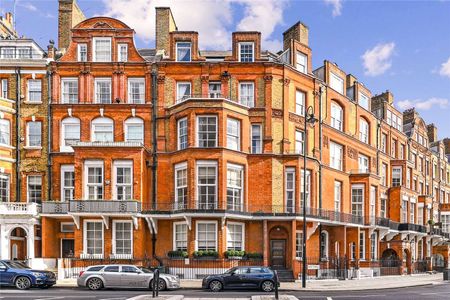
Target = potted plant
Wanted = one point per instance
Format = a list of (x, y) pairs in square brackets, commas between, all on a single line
[(234, 254), (177, 254), (206, 254)]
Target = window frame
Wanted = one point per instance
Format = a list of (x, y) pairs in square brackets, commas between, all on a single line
[(28, 135), (228, 235), (337, 124), (177, 48), (174, 236), (66, 169), (182, 166), (65, 80), (7, 177), (181, 144), (101, 122), (122, 164), (339, 79), (114, 238), (235, 187), (200, 164), (184, 97), (288, 190), (67, 122), (96, 89), (357, 212), (120, 58), (364, 131), (197, 140), (85, 239), (141, 82), (94, 51), (93, 164), (29, 200), (250, 101), (197, 223), (5, 135), (300, 102), (34, 90), (234, 137), (304, 67), (133, 122), (79, 52), (240, 44), (255, 150), (340, 160)]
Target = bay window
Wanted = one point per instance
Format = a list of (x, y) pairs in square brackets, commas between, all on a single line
[(207, 131), (181, 185), (207, 185), (233, 134), (235, 183)]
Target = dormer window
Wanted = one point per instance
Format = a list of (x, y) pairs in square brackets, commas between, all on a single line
[(122, 52), (183, 51), (82, 52), (24, 52), (246, 52), (302, 62), (102, 49), (8, 52), (337, 83)]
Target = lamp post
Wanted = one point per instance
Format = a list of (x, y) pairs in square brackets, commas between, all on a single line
[(309, 119)]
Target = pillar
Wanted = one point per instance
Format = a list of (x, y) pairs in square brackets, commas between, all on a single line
[(4, 243)]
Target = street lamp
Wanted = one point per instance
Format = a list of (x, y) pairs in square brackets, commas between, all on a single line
[(309, 119)]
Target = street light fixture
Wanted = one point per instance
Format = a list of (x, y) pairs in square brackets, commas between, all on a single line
[(309, 119)]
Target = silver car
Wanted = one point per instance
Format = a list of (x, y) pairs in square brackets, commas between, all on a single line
[(124, 276)]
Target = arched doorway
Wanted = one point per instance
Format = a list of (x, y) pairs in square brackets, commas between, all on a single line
[(438, 262), (390, 263), (18, 244), (278, 236)]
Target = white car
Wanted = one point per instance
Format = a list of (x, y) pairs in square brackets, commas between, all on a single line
[(124, 276)]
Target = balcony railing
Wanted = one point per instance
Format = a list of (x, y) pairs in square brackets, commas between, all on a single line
[(247, 101), (91, 206), (19, 208), (255, 210), (412, 227)]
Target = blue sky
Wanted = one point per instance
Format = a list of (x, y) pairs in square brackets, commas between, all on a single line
[(403, 46)]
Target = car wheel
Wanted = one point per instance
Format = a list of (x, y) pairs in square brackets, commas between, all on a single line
[(161, 285), (23, 283), (215, 286), (94, 284), (267, 286)]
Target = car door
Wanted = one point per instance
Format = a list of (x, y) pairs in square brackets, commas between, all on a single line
[(111, 276), (6, 274), (255, 276), (235, 278), (133, 277)]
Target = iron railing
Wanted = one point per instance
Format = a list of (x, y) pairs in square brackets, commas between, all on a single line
[(91, 206)]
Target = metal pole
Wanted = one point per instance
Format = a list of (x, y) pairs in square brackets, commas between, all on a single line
[(305, 150), (276, 284)]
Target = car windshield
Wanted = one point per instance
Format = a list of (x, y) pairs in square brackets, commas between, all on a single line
[(17, 265), (232, 270), (145, 270)]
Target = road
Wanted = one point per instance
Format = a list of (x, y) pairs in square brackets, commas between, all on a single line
[(434, 292)]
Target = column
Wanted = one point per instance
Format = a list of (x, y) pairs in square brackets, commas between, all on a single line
[(30, 241), (4, 243)]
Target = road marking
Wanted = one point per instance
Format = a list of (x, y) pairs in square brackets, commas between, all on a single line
[(359, 296), (50, 298), (329, 298), (121, 298)]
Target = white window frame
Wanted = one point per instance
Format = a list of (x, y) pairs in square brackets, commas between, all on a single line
[(362, 246), (374, 246), (337, 116), (29, 100), (337, 195), (363, 163), (174, 235), (364, 129), (114, 240), (182, 132), (233, 137), (358, 203), (259, 142), (303, 68), (290, 190), (248, 98), (101, 121), (70, 121), (363, 101), (94, 52), (240, 170), (64, 81), (120, 57), (66, 223), (206, 163), (67, 169), (336, 80), (4, 88), (79, 52), (28, 188), (178, 47), (5, 132), (336, 162), (299, 145), (196, 232), (122, 164), (242, 235), (7, 186), (181, 98), (85, 238), (240, 49), (325, 254), (299, 245), (28, 135), (397, 171), (133, 122), (181, 167), (99, 80), (93, 164), (141, 83), (198, 132), (300, 102), (308, 187)]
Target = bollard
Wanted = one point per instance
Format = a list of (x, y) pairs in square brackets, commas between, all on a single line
[(155, 285), (276, 284)]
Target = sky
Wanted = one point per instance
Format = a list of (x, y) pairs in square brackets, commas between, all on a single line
[(401, 46)]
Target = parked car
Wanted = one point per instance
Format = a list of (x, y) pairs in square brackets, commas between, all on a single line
[(124, 276), (255, 277), (18, 274)]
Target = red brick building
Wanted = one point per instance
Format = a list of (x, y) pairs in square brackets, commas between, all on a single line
[(225, 132)]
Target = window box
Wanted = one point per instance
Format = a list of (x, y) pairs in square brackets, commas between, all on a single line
[(253, 256), (207, 254), (234, 254), (177, 254)]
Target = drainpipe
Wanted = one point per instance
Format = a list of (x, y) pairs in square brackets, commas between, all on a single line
[(154, 157), (49, 136), (18, 135)]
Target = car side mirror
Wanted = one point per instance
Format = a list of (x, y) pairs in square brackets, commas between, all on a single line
[(3, 268)]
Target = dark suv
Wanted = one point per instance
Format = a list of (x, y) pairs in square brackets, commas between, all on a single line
[(242, 277), (18, 274)]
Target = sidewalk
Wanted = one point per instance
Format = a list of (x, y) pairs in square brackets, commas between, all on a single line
[(385, 282)]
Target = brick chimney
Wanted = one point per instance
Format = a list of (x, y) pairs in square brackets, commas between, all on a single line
[(69, 15), (7, 26), (298, 32), (51, 49), (432, 133), (447, 146), (165, 24)]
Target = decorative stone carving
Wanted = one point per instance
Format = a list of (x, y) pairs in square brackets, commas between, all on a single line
[(352, 153), (297, 119), (205, 78), (161, 78), (277, 113), (326, 141), (268, 78)]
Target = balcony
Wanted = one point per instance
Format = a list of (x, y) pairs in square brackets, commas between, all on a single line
[(91, 206), (19, 208), (412, 227), (252, 210), (246, 102)]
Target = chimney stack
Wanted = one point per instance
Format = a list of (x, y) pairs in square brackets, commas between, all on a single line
[(432, 133), (298, 32), (165, 24), (69, 15)]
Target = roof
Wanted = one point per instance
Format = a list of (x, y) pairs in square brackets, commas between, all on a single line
[(148, 54)]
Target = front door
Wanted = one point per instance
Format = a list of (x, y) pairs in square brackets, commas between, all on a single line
[(278, 253), (67, 248)]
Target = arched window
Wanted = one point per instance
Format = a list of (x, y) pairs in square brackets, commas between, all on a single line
[(102, 130), (337, 115), (363, 131), (70, 133), (324, 245), (134, 130), (5, 132)]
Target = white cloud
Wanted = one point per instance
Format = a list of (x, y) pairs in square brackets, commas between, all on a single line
[(212, 19), (337, 6), (445, 68), (424, 104), (377, 60), (28, 6)]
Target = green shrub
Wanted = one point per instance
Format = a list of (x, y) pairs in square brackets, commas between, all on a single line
[(206, 253), (234, 253), (177, 254)]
